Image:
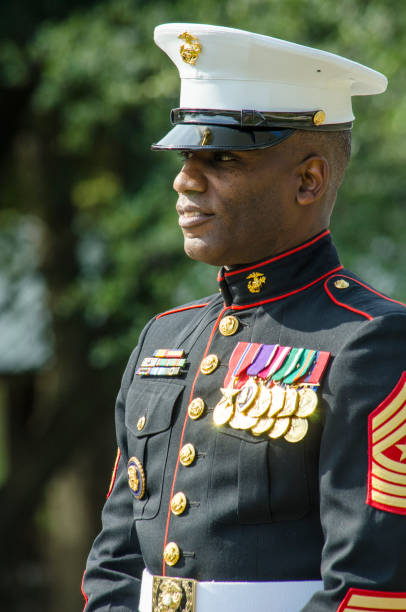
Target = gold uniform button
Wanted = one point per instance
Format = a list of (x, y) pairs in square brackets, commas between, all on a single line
[(171, 553), (141, 423), (196, 408), (209, 364), (187, 454), (319, 117), (341, 284), (229, 325), (178, 503)]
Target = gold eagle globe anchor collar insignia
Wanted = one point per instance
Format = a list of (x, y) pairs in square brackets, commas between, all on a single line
[(271, 390), (255, 282)]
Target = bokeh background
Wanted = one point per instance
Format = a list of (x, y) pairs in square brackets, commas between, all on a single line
[(90, 248)]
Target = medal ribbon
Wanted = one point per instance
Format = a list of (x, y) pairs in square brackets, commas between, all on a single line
[(278, 358), (170, 353), (289, 365), (241, 357), (262, 359), (302, 367), (317, 372)]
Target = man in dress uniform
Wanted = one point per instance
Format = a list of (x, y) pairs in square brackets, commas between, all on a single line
[(261, 430)]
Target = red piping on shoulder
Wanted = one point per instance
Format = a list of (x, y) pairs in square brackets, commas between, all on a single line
[(183, 431), (360, 312), (83, 591), (284, 295), (281, 256), (163, 314)]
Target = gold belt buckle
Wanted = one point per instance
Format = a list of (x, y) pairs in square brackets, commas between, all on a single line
[(173, 594)]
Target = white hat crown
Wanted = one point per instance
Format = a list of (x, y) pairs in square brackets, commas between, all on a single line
[(229, 69)]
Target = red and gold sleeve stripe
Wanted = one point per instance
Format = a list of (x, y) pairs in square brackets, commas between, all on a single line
[(114, 473), (360, 600)]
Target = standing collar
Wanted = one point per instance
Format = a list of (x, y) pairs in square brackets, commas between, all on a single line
[(282, 275)]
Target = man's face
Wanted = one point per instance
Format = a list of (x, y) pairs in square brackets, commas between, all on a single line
[(237, 207)]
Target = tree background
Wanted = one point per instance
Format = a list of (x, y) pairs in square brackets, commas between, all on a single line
[(89, 243)]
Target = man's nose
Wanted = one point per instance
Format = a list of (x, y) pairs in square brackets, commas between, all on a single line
[(190, 178)]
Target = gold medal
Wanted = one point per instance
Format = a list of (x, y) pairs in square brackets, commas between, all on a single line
[(246, 395), (263, 425), (297, 430), (308, 401), (280, 428), (242, 421), (278, 400), (290, 405), (223, 412), (263, 402)]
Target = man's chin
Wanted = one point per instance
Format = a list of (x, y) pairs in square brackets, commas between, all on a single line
[(199, 251)]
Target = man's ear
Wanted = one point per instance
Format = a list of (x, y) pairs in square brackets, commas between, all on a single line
[(313, 174)]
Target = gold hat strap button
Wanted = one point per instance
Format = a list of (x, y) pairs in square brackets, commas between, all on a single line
[(209, 364), (229, 325)]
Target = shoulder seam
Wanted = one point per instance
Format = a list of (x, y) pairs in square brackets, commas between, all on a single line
[(175, 310)]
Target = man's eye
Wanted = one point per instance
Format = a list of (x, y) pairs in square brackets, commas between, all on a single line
[(224, 156)]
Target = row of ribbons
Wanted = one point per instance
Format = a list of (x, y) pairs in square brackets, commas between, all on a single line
[(275, 364)]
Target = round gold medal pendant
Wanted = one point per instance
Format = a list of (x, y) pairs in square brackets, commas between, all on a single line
[(307, 402), (297, 430), (247, 395)]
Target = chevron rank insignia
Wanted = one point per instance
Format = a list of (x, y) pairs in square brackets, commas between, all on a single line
[(387, 453), (361, 600)]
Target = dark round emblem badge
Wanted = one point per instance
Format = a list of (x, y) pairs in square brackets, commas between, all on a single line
[(136, 477)]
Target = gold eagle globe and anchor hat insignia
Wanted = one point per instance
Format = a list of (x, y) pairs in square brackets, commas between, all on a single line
[(242, 91)]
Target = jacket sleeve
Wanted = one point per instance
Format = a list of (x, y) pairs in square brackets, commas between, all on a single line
[(364, 552), (111, 582)]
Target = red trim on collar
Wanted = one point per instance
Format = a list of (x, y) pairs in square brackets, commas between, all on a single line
[(360, 312), (168, 312), (281, 256), (285, 295), (82, 590), (114, 474), (183, 432), (365, 600)]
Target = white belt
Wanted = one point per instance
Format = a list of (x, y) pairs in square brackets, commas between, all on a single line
[(195, 596)]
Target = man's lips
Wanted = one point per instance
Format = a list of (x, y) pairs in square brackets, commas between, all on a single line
[(190, 216)]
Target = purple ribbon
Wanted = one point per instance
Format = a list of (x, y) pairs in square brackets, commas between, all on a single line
[(262, 359)]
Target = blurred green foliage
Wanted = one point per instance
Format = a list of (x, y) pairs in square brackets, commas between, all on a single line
[(106, 90)]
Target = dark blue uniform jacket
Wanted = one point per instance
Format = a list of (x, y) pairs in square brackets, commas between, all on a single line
[(261, 509)]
